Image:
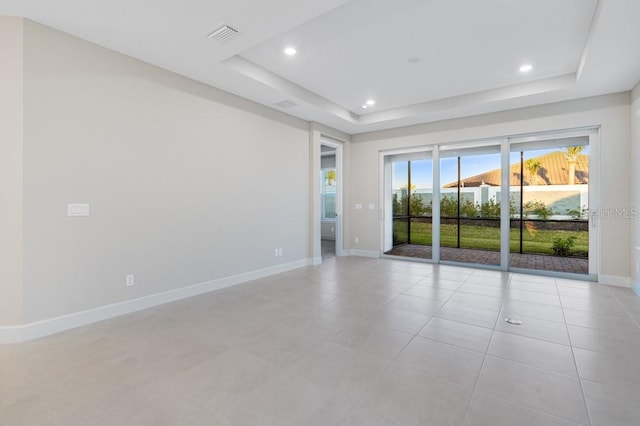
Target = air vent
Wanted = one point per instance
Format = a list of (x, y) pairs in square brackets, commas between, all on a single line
[(286, 104), (223, 33)]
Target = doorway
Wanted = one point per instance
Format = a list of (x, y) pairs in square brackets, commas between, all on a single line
[(514, 203), (328, 192), (328, 189)]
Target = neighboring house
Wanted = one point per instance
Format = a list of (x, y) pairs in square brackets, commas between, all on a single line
[(550, 185), (554, 170)]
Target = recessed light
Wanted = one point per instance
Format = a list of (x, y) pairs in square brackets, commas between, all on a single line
[(290, 51), (364, 107), (371, 102), (526, 68)]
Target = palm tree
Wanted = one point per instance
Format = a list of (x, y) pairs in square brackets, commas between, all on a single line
[(331, 177), (573, 152), (533, 166)]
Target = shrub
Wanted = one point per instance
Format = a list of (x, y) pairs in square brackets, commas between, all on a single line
[(538, 208), (469, 209), (448, 206), (563, 246), (577, 214), (490, 209)]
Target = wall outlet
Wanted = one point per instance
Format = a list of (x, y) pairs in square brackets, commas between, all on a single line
[(275, 252), (356, 240), (372, 206), (129, 280), (280, 252)]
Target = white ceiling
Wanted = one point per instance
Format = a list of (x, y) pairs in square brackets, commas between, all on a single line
[(349, 51)]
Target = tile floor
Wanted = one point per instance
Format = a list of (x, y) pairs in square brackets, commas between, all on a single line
[(354, 341), (328, 248)]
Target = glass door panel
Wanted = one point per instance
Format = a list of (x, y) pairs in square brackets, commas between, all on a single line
[(470, 206), (549, 221), (412, 197)]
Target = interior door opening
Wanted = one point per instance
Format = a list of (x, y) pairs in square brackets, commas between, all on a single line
[(329, 201)]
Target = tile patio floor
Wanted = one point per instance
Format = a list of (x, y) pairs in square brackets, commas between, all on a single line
[(485, 257)]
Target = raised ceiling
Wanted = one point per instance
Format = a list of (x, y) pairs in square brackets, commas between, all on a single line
[(420, 60)]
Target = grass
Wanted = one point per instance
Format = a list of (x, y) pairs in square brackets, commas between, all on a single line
[(488, 238)]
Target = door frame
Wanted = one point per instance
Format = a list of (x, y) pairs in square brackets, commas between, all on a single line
[(339, 226), (386, 216)]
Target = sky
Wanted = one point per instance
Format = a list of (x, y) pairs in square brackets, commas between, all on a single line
[(422, 170)]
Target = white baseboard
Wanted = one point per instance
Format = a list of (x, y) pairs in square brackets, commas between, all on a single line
[(614, 280), (363, 253), (35, 330)]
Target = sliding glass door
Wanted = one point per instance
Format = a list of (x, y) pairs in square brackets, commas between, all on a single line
[(550, 203), (515, 203), (470, 205), (412, 198)]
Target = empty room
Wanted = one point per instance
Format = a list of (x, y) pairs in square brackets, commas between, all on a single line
[(303, 212)]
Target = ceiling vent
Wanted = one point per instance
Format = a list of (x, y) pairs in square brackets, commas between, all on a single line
[(286, 104), (223, 33)]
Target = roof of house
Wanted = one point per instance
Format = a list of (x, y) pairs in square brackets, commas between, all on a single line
[(554, 170)]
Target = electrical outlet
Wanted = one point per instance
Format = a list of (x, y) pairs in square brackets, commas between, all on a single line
[(357, 240), (280, 252), (275, 252), (129, 280)]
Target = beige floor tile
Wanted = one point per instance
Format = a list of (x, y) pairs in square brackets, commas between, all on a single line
[(224, 379), (448, 362), (288, 400), (612, 405), (345, 371), (468, 315), (487, 410), (552, 393), (550, 331), (457, 333), (413, 398), (534, 352)]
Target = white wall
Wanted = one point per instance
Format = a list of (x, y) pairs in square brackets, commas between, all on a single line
[(611, 112), (186, 183), (635, 185), (10, 171)]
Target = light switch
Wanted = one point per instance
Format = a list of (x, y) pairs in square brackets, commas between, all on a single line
[(358, 206), (372, 206), (77, 210)]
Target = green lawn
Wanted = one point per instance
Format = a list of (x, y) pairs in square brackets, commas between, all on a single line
[(488, 238)]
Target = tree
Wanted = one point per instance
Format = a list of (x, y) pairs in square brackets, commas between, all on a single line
[(533, 166), (331, 177), (417, 207), (572, 154)]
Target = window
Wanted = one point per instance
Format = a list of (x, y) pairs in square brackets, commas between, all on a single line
[(328, 194)]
